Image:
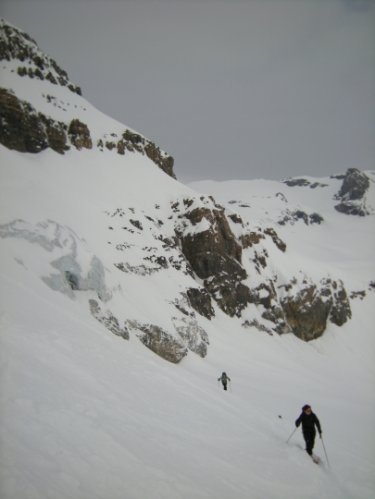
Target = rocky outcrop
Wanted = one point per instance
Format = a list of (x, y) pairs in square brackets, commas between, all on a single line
[(159, 341), (307, 310), (20, 126), (15, 45), (134, 142), (269, 231), (352, 194), (214, 254), (214, 249), (24, 129), (302, 182), (291, 217), (79, 135)]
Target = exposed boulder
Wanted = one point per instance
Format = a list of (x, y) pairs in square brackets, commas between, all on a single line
[(79, 134), (307, 309), (159, 341)]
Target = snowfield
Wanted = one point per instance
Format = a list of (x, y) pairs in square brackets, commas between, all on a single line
[(86, 414)]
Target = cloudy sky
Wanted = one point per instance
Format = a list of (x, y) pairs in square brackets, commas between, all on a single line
[(233, 89)]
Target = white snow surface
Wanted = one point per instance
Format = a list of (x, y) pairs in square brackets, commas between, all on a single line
[(85, 414)]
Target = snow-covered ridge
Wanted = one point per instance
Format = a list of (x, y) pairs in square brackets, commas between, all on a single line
[(16, 45), (42, 109)]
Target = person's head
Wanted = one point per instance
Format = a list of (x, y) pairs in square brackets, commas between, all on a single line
[(307, 409)]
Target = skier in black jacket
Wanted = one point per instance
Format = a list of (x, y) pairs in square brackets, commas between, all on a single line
[(224, 379), (309, 420)]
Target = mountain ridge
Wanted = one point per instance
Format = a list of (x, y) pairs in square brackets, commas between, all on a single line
[(225, 261), (125, 294)]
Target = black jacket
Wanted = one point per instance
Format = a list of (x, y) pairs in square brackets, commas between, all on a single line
[(224, 378), (309, 421)]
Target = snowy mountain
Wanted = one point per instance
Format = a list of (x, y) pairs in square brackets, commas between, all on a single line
[(104, 253)]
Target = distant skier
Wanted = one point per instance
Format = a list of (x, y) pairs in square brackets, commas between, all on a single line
[(224, 379), (309, 420)]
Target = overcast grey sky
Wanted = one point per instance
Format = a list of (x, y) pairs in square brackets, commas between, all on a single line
[(233, 89)]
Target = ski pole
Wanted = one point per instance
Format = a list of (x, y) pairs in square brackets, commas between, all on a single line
[(290, 436), (324, 447)]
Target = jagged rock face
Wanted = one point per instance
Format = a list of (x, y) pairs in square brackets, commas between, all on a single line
[(215, 256), (352, 193), (17, 45), (215, 249)]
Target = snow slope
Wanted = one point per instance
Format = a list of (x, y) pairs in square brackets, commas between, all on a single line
[(87, 414)]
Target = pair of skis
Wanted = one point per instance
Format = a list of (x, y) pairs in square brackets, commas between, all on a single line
[(315, 459)]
